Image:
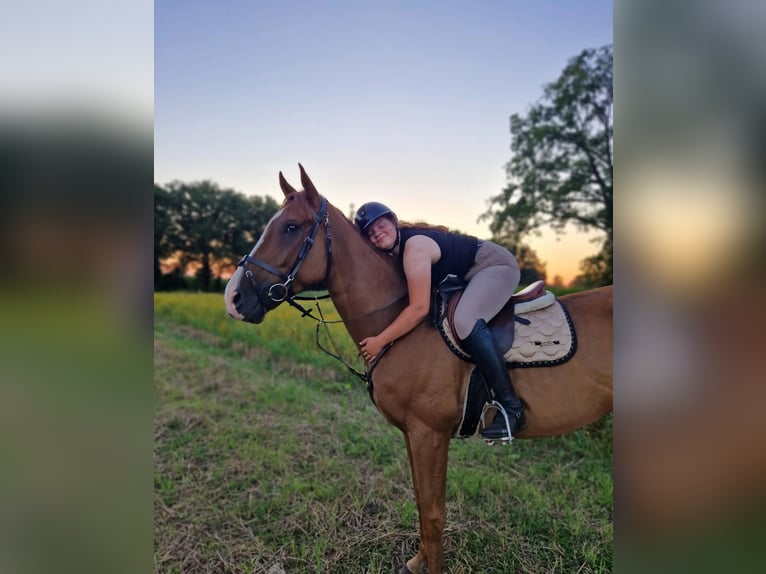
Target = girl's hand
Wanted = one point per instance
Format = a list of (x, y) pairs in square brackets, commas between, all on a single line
[(370, 347)]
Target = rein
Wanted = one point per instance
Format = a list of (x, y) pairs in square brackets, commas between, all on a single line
[(280, 292), (367, 376)]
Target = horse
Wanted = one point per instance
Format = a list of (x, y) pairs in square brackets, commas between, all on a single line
[(419, 384)]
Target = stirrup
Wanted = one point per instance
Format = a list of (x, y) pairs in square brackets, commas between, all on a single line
[(501, 410)]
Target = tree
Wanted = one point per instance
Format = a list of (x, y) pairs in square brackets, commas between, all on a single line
[(203, 224), (596, 270), (561, 167), (165, 231), (532, 269)]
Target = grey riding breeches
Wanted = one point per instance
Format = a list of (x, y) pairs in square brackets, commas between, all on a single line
[(492, 280)]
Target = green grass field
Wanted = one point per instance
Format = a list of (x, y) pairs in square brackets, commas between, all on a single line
[(271, 458)]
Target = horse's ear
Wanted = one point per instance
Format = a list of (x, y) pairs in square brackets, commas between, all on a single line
[(287, 189), (311, 192)]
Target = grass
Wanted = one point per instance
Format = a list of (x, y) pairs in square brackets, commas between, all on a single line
[(270, 458)]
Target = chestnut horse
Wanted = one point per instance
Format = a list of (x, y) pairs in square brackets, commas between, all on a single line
[(419, 384)]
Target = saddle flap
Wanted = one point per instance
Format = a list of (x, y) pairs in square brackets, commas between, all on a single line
[(501, 325)]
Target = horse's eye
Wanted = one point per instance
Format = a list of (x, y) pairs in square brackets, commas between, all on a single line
[(291, 228)]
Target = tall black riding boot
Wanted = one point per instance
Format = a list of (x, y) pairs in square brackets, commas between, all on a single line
[(484, 350)]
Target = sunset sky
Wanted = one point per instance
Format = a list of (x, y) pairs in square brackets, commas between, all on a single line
[(406, 103)]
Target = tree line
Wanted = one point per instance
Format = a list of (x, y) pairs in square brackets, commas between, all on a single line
[(560, 172), (200, 230)]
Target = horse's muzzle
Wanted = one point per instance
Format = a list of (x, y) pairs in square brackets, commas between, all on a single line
[(241, 306), (250, 311), (256, 315)]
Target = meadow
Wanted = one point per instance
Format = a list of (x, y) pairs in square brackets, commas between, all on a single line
[(270, 458)]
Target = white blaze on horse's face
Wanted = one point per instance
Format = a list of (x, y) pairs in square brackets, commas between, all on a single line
[(276, 216), (232, 287)]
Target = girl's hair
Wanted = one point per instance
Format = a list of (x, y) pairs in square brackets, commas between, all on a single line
[(425, 225)]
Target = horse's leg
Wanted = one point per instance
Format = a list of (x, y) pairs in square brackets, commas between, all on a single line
[(428, 451), (416, 564)]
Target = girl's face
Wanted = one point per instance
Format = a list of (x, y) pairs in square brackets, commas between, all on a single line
[(382, 233)]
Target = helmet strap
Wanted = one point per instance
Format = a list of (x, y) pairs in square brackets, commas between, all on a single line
[(398, 237)]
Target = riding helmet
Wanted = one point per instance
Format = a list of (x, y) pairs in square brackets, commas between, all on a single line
[(369, 212)]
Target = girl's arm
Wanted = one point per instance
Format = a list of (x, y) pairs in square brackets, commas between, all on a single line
[(420, 254)]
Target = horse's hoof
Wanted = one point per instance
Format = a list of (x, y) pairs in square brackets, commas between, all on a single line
[(404, 570)]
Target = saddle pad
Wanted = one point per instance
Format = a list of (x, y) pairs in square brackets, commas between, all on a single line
[(549, 338)]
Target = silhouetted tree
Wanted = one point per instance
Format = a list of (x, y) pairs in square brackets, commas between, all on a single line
[(596, 270), (166, 240), (201, 223), (561, 168), (558, 282), (532, 269)]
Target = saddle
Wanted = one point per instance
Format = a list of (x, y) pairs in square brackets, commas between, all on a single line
[(502, 325)]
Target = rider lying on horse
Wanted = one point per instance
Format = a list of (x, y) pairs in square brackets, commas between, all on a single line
[(427, 254)]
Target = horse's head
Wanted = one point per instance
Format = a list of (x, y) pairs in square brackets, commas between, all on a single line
[(282, 263)]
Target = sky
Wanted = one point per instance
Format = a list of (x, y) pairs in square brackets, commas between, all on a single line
[(402, 102)]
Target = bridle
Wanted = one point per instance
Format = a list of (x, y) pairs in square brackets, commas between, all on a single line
[(279, 292)]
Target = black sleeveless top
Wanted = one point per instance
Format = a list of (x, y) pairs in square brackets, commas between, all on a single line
[(458, 251)]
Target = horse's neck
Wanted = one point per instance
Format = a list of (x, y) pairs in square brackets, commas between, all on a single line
[(366, 286)]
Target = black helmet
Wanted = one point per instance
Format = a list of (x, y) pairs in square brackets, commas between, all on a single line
[(369, 212)]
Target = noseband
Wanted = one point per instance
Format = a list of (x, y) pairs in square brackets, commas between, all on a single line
[(279, 292)]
